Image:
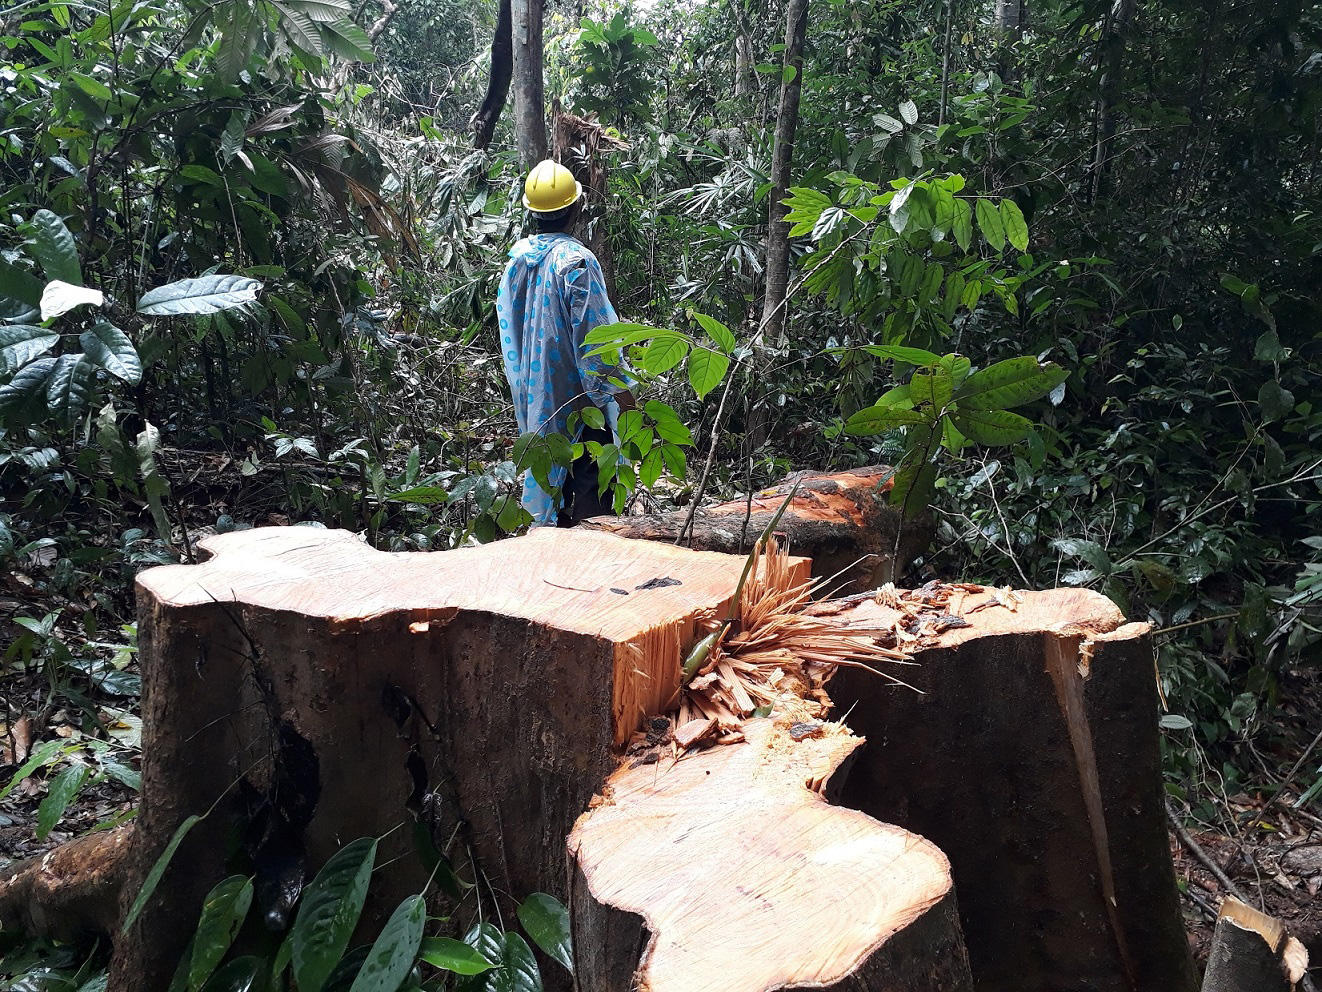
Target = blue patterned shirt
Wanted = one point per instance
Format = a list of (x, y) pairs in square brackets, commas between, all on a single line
[(552, 294)]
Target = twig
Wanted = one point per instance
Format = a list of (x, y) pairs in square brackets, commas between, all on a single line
[(1193, 848), (1289, 777)]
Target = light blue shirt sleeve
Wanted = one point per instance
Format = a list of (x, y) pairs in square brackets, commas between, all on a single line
[(590, 308)]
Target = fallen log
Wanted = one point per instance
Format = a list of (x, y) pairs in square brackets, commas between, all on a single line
[(1251, 952), (841, 520), (1030, 757), (305, 682), (69, 893)]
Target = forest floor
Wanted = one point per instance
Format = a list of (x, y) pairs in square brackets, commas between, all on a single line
[(1270, 852)]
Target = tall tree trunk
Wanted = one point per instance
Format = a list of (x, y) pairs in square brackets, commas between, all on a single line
[(1113, 54), (498, 82), (778, 231), (1010, 26), (529, 101)]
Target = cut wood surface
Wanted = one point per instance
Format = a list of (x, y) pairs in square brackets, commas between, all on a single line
[(746, 880), (1251, 952), (336, 692), (841, 520), (70, 893), (1030, 757)]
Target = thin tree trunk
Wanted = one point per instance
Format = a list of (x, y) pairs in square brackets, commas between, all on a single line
[(498, 82), (1010, 27), (1113, 45), (945, 62), (529, 101)]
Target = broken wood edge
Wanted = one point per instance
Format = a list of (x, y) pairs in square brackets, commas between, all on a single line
[(1252, 952), (734, 848), (70, 892)]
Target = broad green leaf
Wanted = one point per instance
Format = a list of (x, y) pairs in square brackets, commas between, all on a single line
[(546, 921), (1010, 383), (153, 878), (392, 954), (24, 397), (60, 297), (1016, 228), (718, 332), (62, 791), (909, 111), (875, 419), (663, 354), (1090, 551), (593, 417), (962, 225), (706, 370), (624, 332), (243, 974), (931, 386), (240, 25), (298, 28), (347, 40), (422, 495), (21, 343), (957, 367), (322, 11), (223, 912), (913, 486), (70, 385), (329, 911), (1274, 400), (992, 427), (203, 295), (902, 353), (453, 955), (105, 345), (19, 284), (649, 471), (43, 754), (53, 246), (989, 223), (519, 966)]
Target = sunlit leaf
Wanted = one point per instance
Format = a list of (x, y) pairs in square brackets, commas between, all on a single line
[(1010, 383), (992, 427), (59, 297), (105, 345), (202, 295), (1016, 228), (989, 223), (706, 370)]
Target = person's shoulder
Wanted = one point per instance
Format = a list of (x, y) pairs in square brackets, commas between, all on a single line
[(570, 253)]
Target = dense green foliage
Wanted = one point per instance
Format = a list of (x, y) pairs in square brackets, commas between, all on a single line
[(1126, 205)]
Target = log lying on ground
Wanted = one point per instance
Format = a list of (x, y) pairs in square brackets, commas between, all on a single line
[(331, 691), (70, 893), (730, 873), (1030, 757), (1251, 952), (841, 520)]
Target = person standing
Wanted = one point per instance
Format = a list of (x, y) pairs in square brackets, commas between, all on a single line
[(551, 295)]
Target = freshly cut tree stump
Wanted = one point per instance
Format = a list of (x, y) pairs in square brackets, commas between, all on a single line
[(1030, 757), (747, 880), (841, 520), (69, 893), (1251, 952), (328, 691)]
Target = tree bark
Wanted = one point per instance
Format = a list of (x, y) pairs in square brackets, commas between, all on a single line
[(1043, 707), (840, 520), (729, 871), (529, 99), (70, 893), (340, 692), (498, 81), (1251, 952)]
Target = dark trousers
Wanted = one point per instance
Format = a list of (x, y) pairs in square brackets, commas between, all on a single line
[(579, 498)]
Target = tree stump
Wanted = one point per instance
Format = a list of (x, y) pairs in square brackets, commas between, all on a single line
[(841, 520), (727, 871), (1030, 757), (333, 691), (1251, 952)]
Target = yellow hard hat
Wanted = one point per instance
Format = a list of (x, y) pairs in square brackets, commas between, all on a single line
[(550, 187)]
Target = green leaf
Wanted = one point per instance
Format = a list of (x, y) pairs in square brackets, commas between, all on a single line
[(19, 284), (663, 354), (240, 25), (223, 912), (1276, 401), (1016, 228), (453, 955), (593, 417), (962, 224), (914, 484), (547, 922), (43, 754), (1173, 721), (993, 427), (106, 346), (203, 295), (901, 353), (243, 974), (21, 343), (422, 495), (1010, 383), (625, 332), (392, 954), (931, 386), (329, 911), (1090, 551), (153, 878), (59, 297), (909, 111), (875, 419), (347, 40), (24, 397), (718, 332), (54, 248), (299, 29), (650, 469), (989, 223), (706, 370), (70, 386), (62, 791)]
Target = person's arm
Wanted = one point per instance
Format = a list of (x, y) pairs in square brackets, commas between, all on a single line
[(589, 308)]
